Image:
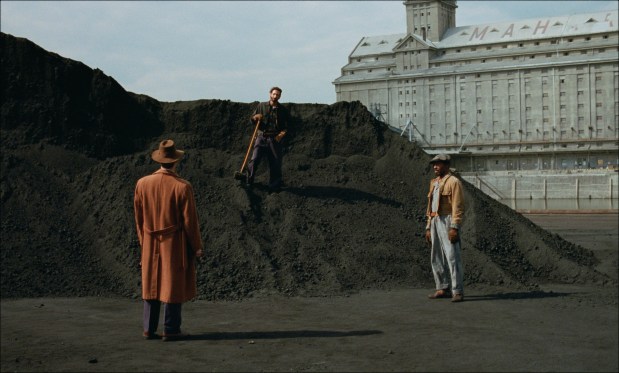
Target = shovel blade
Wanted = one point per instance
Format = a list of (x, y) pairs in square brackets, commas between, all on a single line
[(240, 176)]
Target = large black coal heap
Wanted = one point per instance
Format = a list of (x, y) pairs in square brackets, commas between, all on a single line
[(74, 143)]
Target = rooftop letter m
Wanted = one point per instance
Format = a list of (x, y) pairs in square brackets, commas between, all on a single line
[(478, 35)]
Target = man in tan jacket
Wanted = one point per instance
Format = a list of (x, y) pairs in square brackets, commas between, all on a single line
[(445, 212), (169, 234)]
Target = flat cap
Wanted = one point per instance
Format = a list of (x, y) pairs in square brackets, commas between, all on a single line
[(441, 158)]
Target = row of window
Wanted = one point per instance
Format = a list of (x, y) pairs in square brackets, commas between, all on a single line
[(427, 28), (528, 121), (545, 79), (495, 97), (516, 58), (546, 118), (544, 163), (522, 45), (580, 80), (486, 60), (480, 140)]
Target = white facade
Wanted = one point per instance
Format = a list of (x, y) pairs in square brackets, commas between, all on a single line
[(536, 94)]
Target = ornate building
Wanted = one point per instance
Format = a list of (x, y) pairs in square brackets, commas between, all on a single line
[(535, 94)]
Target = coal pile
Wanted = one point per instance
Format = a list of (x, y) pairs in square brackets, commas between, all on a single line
[(351, 217)]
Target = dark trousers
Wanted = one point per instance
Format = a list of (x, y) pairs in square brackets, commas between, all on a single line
[(267, 145), (171, 316)]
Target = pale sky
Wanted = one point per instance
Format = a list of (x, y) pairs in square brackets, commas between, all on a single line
[(234, 50)]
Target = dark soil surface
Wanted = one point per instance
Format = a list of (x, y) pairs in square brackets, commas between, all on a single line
[(559, 328), (347, 230)]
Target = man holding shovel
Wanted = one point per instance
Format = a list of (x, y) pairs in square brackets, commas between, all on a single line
[(271, 119)]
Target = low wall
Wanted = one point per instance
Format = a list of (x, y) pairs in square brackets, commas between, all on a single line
[(546, 184)]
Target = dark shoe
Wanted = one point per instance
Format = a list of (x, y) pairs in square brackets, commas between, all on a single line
[(148, 335), (443, 293), (276, 187), (174, 337), (457, 298)]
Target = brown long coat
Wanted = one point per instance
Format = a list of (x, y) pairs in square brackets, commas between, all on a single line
[(169, 233)]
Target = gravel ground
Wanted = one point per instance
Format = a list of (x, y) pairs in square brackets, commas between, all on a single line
[(559, 328)]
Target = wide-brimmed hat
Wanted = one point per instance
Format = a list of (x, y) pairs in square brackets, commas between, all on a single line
[(441, 158), (167, 152)]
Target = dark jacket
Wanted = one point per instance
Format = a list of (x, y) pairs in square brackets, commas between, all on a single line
[(275, 118)]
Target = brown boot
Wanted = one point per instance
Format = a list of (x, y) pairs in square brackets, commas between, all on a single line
[(442, 293), (148, 335), (457, 297)]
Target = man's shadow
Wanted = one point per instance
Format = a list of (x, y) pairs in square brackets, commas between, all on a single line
[(257, 192), (347, 195), (218, 336), (536, 294)]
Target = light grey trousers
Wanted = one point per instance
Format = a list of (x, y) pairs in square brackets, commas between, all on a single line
[(445, 256)]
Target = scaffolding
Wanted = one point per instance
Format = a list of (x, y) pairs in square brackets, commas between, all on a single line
[(378, 112), (411, 128)]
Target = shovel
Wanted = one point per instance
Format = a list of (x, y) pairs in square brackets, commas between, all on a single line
[(239, 174)]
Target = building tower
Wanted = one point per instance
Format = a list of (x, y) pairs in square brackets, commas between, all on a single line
[(430, 18), (509, 100)]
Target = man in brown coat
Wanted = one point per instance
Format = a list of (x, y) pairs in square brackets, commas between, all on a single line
[(169, 233)]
